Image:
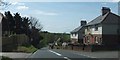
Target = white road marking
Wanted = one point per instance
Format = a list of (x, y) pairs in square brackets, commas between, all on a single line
[(67, 58), (59, 54), (86, 55), (31, 54), (55, 53), (35, 52)]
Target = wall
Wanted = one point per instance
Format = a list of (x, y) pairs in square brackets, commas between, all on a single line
[(92, 29), (110, 29), (81, 35), (96, 32), (74, 37), (1, 16)]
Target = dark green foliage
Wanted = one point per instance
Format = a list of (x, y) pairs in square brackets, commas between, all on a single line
[(21, 25), (8, 23), (52, 37), (18, 23)]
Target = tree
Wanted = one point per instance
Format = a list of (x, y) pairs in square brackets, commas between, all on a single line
[(18, 23), (26, 25), (22, 25), (10, 21), (36, 27), (4, 26), (8, 24), (35, 23)]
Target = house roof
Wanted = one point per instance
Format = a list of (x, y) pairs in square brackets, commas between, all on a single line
[(76, 29), (98, 19)]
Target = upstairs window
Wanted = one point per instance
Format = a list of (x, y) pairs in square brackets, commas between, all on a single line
[(96, 28), (88, 28)]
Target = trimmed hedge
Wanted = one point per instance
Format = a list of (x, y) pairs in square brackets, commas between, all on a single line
[(11, 43)]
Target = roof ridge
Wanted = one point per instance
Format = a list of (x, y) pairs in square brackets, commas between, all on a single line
[(98, 19), (77, 29), (104, 16)]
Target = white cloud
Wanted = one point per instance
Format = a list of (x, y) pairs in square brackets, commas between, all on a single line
[(14, 3), (45, 13), (24, 15), (115, 0), (22, 7), (17, 3), (65, 0)]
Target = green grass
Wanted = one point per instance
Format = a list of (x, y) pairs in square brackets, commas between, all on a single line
[(27, 49)]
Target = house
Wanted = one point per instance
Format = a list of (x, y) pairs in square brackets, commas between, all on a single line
[(1, 16), (78, 33), (103, 32)]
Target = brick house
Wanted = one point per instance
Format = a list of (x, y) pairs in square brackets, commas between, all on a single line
[(103, 31), (78, 33)]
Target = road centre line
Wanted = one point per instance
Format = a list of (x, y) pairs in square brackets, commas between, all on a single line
[(59, 54), (67, 58), (55, 53), (85, 55)]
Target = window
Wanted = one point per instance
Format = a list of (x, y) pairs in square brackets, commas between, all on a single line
[(98, 40), (88, 39), (96, 28), (88, 28), (75, 34)]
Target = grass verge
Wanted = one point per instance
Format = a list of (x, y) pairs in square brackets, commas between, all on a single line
[(27, 49)]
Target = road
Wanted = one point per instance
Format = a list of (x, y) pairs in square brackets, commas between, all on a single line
[(56, 54)]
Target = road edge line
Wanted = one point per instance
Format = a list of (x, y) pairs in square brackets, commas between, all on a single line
[(31, 54)]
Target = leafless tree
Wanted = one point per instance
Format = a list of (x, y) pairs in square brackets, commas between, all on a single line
[(35, 23)]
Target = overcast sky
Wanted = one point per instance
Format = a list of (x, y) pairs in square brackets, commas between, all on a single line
[(61, 16)]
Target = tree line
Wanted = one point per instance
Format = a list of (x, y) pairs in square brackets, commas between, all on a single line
[(49, 37), (16, 24)]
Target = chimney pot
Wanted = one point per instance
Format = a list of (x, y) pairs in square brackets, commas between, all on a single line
[(105, 10), (83, 23)]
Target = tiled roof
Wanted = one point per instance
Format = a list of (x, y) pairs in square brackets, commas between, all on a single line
[(76, 29), (97, 20)]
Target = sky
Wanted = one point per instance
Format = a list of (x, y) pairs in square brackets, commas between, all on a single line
[(61, 17)]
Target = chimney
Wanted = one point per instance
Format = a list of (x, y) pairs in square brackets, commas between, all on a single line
[(83, 23), (105, 10)]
